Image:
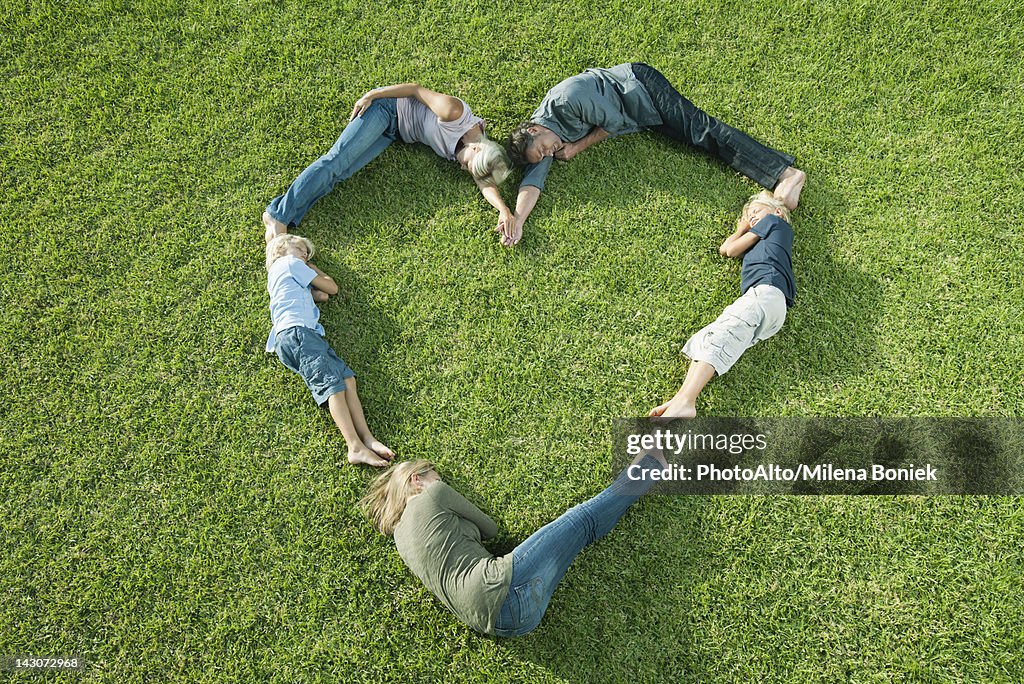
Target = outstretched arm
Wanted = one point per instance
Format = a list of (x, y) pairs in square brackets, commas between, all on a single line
[(570, 150), (506, 219), (525, 202), (445, 107)]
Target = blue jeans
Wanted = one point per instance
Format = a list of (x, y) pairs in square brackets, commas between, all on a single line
[(540, 562), (683, 121), (363, 139)]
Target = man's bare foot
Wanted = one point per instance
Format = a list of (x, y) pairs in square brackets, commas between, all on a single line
[(273, 227), (674, 408), (787, 190), (365, 456), (379, 448)]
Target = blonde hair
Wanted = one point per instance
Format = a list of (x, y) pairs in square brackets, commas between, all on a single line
[(277, 247), (769, 200), (390, 491), (490, 165)]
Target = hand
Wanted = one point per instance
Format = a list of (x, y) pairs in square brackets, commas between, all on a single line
[(506, 220), (513, 232), (567, 152), (742, 224), (362, 104)]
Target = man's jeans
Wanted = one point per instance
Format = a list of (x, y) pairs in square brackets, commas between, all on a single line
[(683, 121), (540, 562), (364, 138)]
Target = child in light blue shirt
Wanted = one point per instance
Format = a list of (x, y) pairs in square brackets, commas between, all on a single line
[(295, 285)]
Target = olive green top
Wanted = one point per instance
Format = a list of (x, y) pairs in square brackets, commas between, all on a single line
[(439, 537)]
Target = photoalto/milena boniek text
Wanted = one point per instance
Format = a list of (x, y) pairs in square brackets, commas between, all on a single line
[(768, 472)]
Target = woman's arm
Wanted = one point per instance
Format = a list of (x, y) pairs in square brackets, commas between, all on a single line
[(464, 508), (506, 219), (445, 107)]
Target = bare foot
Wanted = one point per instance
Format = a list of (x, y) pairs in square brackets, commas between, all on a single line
[(674, 408), (366, 457), (379, 448), (273, 227), (789, 186)]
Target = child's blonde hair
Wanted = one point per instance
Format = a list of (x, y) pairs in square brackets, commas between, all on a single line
[(390, 491), (769, 200), (277, 247)]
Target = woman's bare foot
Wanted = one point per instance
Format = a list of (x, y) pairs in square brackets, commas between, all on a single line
[(367, 457), (789, 186), (676, 407), (273, 227)]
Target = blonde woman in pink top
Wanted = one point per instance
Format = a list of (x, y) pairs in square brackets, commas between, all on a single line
[(408, 112)]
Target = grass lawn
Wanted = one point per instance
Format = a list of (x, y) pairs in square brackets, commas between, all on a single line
[(173, 507)]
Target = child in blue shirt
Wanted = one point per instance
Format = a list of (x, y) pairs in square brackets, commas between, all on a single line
[(764, 240), (297, 337)]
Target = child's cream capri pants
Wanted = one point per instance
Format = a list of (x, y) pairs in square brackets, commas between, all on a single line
[(757, 315)]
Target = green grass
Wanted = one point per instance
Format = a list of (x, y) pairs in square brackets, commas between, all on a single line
[(174, 508)]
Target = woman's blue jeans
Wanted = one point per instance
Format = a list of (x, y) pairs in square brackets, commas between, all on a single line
[(685, 122), (540, 562), (363, 139)]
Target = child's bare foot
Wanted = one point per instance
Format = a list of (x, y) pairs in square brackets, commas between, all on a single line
[(366, 457), (379, 448), (789, 186), (675, 407), (273, 227)]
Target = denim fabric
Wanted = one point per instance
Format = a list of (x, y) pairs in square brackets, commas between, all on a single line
[(308, 354), (363, 139), (540, 562), (684, 122)]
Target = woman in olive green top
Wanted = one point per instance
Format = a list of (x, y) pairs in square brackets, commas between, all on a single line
[(438, 534)]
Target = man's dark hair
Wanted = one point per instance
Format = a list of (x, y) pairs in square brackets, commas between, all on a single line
[(518, 142)]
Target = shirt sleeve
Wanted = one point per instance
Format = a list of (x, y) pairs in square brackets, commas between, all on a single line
[(462, 507), (302, 273), (764, 227), (537, 173)]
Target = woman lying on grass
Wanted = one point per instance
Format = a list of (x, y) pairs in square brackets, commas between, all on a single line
[(381, 116), (438, 532)]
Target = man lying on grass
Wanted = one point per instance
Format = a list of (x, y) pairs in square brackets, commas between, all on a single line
[(601, 103), (764, 240), (297, 337)]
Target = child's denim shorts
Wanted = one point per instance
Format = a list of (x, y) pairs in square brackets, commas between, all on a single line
[(309, 355)]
